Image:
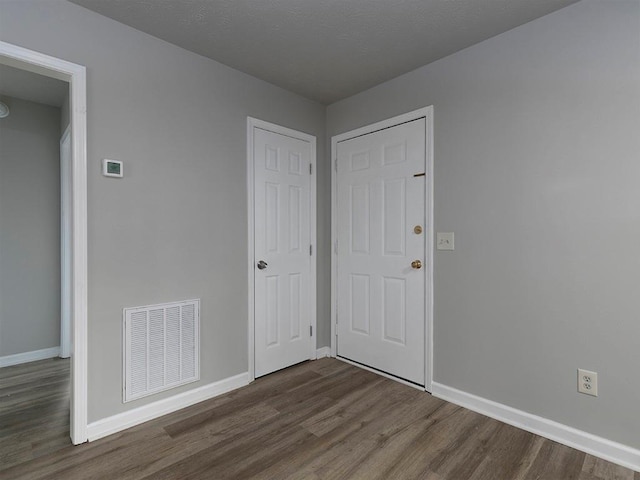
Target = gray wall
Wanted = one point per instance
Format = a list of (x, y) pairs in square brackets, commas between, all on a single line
[(175, 227), (537, 168), (29, 227)]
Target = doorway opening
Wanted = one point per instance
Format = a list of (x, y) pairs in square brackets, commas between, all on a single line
[(76, 229)]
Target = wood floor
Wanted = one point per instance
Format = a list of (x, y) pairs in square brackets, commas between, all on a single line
[(34, 410), (318, 420)]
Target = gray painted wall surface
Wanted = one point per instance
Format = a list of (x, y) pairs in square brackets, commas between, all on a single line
[(29, 227), (175, 227), (537, 167)]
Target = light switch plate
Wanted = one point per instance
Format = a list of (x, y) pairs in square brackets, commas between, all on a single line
[(444, 241)]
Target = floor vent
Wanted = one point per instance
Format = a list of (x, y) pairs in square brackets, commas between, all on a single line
[(161, 347)]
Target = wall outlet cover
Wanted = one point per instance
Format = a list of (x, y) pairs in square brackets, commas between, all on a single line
[(588, 382)]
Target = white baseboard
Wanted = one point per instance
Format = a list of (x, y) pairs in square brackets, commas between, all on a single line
[(27, 357), (323, 352), (600, 447), (131, 418)]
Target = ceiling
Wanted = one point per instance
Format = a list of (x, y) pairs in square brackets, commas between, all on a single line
[(33, 87), (324, 50)]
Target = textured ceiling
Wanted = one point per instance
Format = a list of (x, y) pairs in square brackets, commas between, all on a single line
[(325, 50), (31, 86)]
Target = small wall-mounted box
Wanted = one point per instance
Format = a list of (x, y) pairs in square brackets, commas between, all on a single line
[(112, 168)]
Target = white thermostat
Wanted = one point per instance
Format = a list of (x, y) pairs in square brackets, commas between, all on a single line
[(112, 168)]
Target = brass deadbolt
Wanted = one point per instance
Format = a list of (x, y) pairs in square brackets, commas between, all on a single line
[(417, 229)]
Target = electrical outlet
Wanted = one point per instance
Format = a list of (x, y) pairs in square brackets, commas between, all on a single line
[(588, 382)]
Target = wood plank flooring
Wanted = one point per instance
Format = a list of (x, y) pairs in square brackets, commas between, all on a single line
[(317, 420), (34, 410)]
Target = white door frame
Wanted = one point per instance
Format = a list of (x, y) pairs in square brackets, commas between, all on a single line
[(30, 60), (253, 123), (65, 248), (427, 114)]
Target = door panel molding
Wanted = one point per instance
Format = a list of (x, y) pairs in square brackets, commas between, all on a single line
[(292, 166), (427, 114)]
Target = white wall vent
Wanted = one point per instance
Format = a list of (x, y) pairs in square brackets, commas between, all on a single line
[(161, 347)]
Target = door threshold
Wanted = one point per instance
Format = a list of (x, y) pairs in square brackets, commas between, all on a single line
[(283, 368), (417, 386)]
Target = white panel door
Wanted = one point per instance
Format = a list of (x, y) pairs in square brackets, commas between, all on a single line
[(282, 251), (381, 232)]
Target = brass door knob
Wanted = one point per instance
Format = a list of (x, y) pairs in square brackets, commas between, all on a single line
[(417, 264)]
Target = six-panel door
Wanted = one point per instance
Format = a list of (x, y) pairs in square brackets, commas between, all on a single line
[(282, 242), (381, 253)]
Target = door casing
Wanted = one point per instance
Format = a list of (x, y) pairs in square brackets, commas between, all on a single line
[(427, 114), (66, 249), (46, 65), (253, 123)]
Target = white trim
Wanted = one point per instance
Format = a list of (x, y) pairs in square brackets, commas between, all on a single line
[(430, 214), (76, 76), (251, 248), (26, 357), (131, 418), (65, 248), (323, 352), (253, 123), (427, 114), (592, 444)]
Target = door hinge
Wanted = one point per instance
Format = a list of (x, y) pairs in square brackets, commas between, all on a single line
[(311, 169), (310, 330), (310, 249), (336, 164)]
